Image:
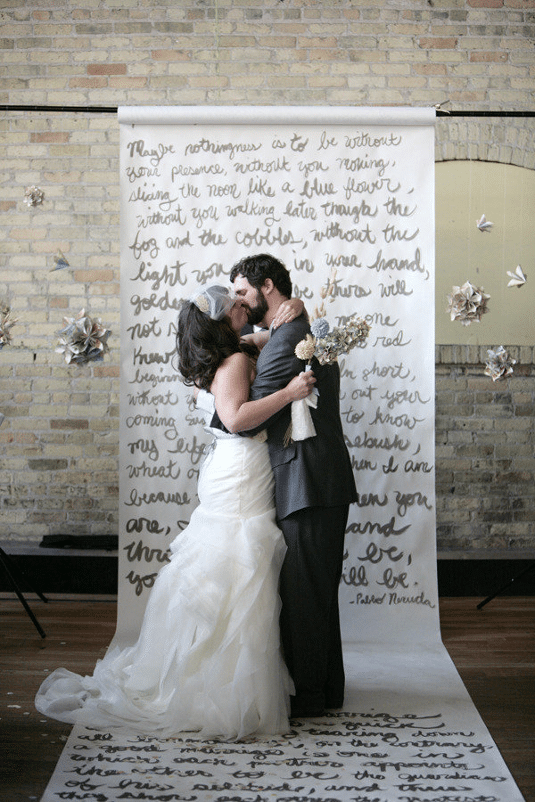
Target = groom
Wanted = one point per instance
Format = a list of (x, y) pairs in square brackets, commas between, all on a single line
[(314, 486)]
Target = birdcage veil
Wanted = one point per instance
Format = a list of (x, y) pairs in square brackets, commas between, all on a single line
[(215, 301)]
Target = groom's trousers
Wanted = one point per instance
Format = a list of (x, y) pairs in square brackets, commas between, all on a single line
[(309, 588)]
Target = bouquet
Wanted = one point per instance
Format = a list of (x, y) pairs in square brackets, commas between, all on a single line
[(326, 345)]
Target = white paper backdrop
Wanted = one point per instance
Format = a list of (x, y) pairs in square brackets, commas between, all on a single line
[(316, 187), (344, 188)]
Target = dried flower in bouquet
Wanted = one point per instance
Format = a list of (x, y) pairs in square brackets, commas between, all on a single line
[(341, 340), (326, 343), (306, 348)]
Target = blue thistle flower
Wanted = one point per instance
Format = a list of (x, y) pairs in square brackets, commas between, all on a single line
[(320, 327)]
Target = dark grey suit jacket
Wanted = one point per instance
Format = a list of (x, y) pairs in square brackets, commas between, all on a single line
[(313, 472)]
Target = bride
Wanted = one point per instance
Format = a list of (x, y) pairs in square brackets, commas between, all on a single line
[(208, 656)]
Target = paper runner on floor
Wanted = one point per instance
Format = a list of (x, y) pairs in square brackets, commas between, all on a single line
[(408, 733)]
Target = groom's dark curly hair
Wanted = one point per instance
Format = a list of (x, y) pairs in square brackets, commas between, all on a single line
[(256, 269)]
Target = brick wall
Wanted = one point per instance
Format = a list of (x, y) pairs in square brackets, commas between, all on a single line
[(477, 53), (58, 472), (484, 453)]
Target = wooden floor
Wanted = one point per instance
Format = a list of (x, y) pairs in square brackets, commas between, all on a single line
[(493, 649)]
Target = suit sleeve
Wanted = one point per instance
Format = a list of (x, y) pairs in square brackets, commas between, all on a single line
[(278, 364)]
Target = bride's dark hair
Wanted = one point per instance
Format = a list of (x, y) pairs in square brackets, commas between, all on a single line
[(203, 344)]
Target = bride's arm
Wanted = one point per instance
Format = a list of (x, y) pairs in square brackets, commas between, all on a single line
[(231, 390), (288, 310), (258, 338)]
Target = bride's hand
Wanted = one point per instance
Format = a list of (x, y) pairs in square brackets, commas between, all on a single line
[(289, 310), (301, 385)]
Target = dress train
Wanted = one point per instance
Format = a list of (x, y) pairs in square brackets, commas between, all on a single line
[(208, 655)]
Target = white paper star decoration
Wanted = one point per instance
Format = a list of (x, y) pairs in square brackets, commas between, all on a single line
[(467, 303), (60, 262), (499, 365), (484, 225), (517, 278)]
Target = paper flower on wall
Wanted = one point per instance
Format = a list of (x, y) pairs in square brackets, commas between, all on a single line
[(467, 303), (484, 225), (6, 323), (83, 339), (33, 196), (498, 364), (517, 278)]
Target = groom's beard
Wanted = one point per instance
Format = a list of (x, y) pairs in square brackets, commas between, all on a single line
[(257, 313)]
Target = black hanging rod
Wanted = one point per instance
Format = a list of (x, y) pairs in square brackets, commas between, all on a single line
[(113, 110), (89, 109), (444, 113)]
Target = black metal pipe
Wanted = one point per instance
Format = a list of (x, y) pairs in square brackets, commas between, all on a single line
[(113, 110)]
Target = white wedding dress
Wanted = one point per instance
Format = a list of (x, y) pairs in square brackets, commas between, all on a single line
[(208, 655)]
